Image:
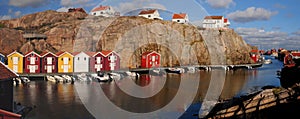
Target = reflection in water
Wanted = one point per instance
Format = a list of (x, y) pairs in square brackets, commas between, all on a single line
[(61, 101)]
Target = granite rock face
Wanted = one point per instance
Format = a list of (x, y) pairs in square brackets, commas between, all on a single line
[(129, 36)]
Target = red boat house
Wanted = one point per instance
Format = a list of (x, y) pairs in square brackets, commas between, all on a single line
[(48, 62), (32, 62), (150, 59)]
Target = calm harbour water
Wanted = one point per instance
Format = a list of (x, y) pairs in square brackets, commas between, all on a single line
[(62, 101)]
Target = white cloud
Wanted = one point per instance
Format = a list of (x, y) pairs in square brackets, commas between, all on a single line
[(5, 17), (297, 32), (269, 39), (251, 14), (68, 3), (28, 3), (63, 9), (125, 7), (220, 3), (17, 13)]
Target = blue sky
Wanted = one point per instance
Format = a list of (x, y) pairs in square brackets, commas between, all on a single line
[(263, 23)]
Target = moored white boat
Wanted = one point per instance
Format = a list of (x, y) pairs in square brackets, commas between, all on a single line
[(58, 78), (267, 61), (50, 78)]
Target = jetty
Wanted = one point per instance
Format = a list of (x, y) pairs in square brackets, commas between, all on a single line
[(253, 105), (203, 67)]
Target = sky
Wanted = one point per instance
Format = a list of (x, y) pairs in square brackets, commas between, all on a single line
[(263, 23)]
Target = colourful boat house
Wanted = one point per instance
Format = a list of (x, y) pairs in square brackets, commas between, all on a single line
[(15, 62), (48, 62), (64, 62), (150, 59), (32, 63)]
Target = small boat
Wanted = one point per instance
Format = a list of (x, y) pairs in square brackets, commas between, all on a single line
[(67, 78), (101, 77), (50, 78), (116, 76), (58, 78), (24, 80), (157, 72), (175, 70), (82, 77), (17, 81), (267, 61)]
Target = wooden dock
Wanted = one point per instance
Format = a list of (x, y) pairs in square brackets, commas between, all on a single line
[(251, 105)]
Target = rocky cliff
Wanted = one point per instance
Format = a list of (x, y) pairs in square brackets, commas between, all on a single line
[(178, 44)]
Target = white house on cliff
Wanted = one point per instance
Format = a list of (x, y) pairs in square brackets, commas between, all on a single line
[(106, 11), (180, 18), (150, 14), (215, 22)]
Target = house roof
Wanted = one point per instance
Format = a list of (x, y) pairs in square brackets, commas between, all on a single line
[(147, 12), (150, 52), (213, 17), (6, 73), (91, 54), (77, 53), (76, 9), (14, 53), (28, 53), (60, 53), (100, 8), (46, 53), (106, 52), (179, 16)]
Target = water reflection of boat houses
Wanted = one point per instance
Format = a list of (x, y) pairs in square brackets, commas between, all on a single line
[(32, 62), (48, 62), (15, 61), (150, 59), (6, 93), (2, 58)]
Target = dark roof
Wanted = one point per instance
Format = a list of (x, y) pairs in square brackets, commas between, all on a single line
[(147, 12), (179, 16), (6, 73), (213, 17)]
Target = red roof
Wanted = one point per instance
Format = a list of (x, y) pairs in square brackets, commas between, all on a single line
[(106, 52), (213, 17), (150, 52), (45, 53), (179, 16), (75, 53), (225, 20), (100, 8), (147, 12), (91, 54), (59, 53), (6, 73)]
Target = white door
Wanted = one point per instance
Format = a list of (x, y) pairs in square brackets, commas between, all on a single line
[(112, 66), (153, 58), (32, 69), (66, 68), (32, 60), (66, 60), (98, 60), (49, 69), (15, 60), (15, 68), (49, 60)]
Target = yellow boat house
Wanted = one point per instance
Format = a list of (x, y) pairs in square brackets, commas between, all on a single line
[(15, 61)]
